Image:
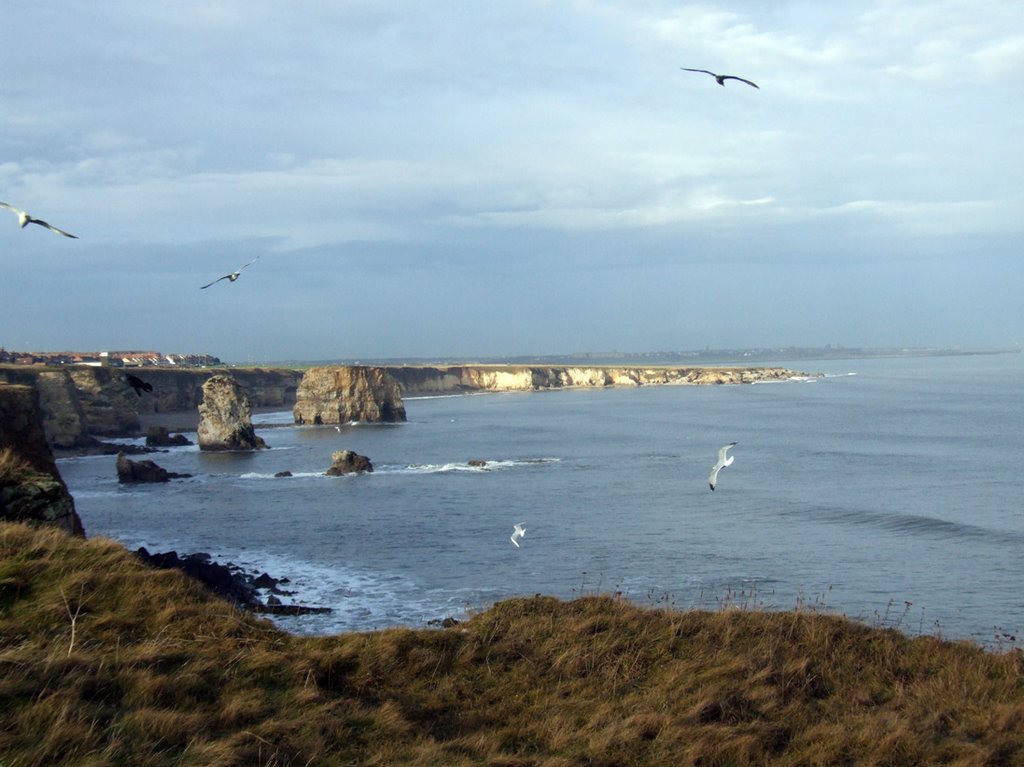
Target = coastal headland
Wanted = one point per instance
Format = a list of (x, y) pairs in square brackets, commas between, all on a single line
[(82, 403), (108, 661)]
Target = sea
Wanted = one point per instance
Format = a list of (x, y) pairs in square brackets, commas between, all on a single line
[(888, 490)]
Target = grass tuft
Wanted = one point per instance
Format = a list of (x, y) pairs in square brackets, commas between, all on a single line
[(13, 468)]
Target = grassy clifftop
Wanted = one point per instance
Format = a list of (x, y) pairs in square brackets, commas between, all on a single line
[(104, 661)]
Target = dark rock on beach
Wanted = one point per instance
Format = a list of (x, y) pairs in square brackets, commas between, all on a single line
[(265, 581), (130, 472), (229, 582)]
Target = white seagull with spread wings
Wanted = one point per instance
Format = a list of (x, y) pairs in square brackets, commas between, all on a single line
[(517, 534), (720, 464), (231, 277), (720, 79), (24, 219)]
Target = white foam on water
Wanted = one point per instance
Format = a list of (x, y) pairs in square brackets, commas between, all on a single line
[(267, 475), (443, 396), (446, 468), (790, 379), (193, 448), (360, 600)]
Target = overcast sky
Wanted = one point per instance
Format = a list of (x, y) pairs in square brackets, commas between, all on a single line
[(467, 179)]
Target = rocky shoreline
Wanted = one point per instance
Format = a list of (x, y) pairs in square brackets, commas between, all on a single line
[(50, 412), (82, 405), (241, 588)]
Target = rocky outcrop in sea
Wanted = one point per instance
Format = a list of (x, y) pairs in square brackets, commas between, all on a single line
[(348, 462), (225, 417), (159, 436), (342, 394), (138, 472)]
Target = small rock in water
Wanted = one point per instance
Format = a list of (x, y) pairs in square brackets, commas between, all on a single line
[(348, 462), (129, 471), (158, 436)]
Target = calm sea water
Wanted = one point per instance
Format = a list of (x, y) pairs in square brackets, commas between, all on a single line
[(889, 491)]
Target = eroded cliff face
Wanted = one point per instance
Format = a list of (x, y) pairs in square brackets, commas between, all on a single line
[(181, 390), (80, 403), (109, 405), (424, 380), (63, 418), (348, 393), (31, 488), (225, 417)]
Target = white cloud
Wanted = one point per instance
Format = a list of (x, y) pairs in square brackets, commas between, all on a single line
[(1002, 57), (210, 127)]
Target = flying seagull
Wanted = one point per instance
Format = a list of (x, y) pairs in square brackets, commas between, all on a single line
[(720, 79), (517, 534), (24, 219), (137, 383), (232, 277), (720, 464)]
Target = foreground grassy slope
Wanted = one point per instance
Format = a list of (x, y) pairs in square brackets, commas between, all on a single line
[(103, 661)]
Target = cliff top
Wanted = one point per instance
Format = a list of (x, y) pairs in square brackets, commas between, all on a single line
[(104, 656)]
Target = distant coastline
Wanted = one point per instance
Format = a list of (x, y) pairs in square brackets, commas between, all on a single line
[(702, 357), (695, 357)]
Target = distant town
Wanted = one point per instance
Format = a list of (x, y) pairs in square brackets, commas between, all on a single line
[(109, 359)]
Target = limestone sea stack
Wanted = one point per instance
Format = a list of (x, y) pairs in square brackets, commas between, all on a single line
[(342, 394), (225, 417)]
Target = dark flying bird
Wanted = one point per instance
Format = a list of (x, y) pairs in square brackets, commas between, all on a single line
[(720, 79), (232, 277), (24, 219), (137, 383), (720, 464)]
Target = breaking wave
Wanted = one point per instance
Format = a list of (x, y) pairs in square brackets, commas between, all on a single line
[(481, 466)]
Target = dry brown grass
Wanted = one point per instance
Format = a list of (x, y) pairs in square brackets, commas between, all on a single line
[(162, 673), (13, 468)]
